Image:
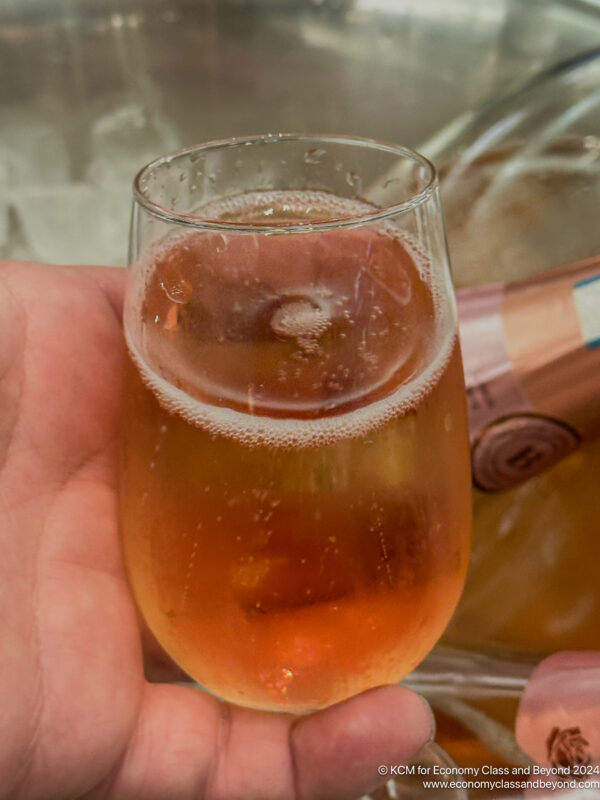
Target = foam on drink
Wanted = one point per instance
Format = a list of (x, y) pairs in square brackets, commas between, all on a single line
[(299, 310)]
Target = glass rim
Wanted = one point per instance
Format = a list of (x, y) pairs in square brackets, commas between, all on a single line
[(209, 223)]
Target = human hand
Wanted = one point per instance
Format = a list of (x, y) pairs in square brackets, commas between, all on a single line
[(78, 719)]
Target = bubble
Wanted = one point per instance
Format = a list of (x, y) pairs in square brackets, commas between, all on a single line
[(301, 320), (301, 203), (256, 431)]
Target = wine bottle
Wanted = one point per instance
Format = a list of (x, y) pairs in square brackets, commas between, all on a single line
[(520, 183), (531, 353)]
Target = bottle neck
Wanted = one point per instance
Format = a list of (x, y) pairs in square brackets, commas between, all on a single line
[(531, 352)]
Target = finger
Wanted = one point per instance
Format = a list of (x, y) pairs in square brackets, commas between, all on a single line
[(333, 754), (337, 751), (111, 280), (171, 752), (189, 746)]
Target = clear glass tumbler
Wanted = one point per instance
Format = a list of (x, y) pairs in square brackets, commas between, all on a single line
[(296, 497)]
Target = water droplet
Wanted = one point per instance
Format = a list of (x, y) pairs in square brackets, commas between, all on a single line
[(314, 155), (179, 290), (353, 180)]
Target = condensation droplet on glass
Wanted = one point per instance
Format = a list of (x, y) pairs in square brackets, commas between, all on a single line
[(314, 155), (179, 290), (353, 180)]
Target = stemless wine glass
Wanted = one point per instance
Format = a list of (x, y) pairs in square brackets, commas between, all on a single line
[(295, 501)]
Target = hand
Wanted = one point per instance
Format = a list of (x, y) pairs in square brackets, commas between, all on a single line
[(78, 719)]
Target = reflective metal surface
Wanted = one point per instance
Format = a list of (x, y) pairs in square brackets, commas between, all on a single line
[(94, 89)]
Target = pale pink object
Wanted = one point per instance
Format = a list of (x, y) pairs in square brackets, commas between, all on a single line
[(558, 720)]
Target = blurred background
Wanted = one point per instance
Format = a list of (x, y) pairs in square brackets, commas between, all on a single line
[(93, 89)]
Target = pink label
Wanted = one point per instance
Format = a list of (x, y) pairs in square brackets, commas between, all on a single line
[(492, 387), (558, 722)]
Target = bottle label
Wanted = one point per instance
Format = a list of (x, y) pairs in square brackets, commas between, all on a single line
[(491, 382), (587, 302), (507, 448), (531, 352), (558, 721)]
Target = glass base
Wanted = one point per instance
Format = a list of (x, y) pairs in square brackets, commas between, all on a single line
[(452, 671)]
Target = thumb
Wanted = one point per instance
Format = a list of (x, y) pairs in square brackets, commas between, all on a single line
[(337, 752)]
